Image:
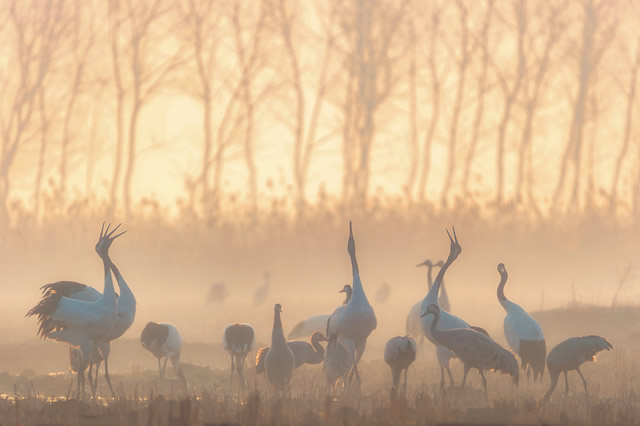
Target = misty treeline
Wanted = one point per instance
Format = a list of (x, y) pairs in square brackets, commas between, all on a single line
[(529, 105)]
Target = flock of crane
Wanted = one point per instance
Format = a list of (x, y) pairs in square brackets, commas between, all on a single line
[(88, 321)]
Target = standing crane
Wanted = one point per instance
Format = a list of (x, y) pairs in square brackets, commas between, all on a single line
[(125, 316), (414, 324), (475, 349), (570, 355), (303, 352), (238, 339), (317, 322), (81, 324), (279, 361), (399, 354), (447, 320), (163, 340), (523, 332), (337, 363), (354, 321)]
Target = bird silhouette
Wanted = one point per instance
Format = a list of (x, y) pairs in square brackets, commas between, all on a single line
[(399, 354), (238, 339), (262, 292)]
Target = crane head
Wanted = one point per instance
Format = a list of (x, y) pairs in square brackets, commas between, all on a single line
[(345, 289), (432, 309), (105, 240), (455, 249), (427, 262), (278, 308), (502, 269)]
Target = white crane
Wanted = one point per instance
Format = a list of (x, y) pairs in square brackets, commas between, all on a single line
[(354, 321), (303, 352), (337, 363), (447, 320), (570, 355), (475, 349), (317, 322), (125, 317), (414, 323), (279, 361), (399, 354), (80, 323), (163, 340), (261, 293), (522, 332), (238, 339)]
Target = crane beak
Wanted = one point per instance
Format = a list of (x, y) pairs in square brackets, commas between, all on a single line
[(341, 291)]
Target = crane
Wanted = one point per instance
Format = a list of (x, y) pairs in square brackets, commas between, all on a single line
[(80, 323), (317, 322), (261, 293), (337, 363), (303, 352), (447, 320), (238, 339), (279, 361), (124, 318), (399, 354), (474, 349), (163, 340), (570, 355), (522, 331), (354, 321)]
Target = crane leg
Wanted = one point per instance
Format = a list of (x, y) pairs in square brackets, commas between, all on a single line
[(164, 367), (451, 377), (159, 369), (484, 385), (231, 377), (107, 378), (405, 382), (95, 385), (584, 382), (90, 377), (442, 377), (566, 382), (554, 381), (464, 377)]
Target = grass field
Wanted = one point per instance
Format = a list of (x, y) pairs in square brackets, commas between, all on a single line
[(143, 399)]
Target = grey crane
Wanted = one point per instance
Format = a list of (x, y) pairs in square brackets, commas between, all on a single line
[(238, 339), (303, 352), (474, 349), (279, 361), (399, 354), (570, 355)]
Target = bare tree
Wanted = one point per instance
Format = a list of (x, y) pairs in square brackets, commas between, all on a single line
[(372, 48), (510, 89), (137, 29), (464, 53), (434, 76), (482, 40), (37, 28), (287, 20), (538, 63), (630, 94), (596, 36)]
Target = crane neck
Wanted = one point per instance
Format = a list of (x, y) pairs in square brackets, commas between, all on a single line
[(429, 276), (434, 324), (317, 347), (126, 295), (108, 291), (434, 291), (503, 280), (277, 335)]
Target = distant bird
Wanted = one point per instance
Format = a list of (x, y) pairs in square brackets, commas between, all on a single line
[(383, 293), (475, 349), (217, 293), (570, 355), (318, 322), (238, 339), (414, 324), (163, 340), (279, 361), (399, 354), (262, 292), (337, 364), (80, 323), (447, 320), (443, 297), (522, 332), (303, 352), (354, 321)]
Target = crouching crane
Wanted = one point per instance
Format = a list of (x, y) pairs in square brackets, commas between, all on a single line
[(399, 354)]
